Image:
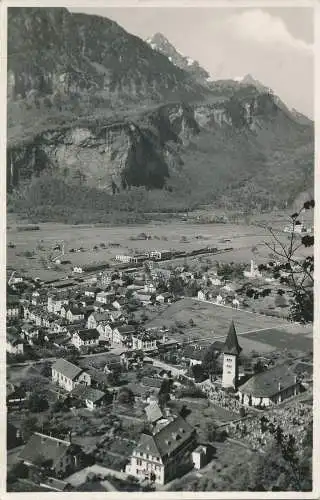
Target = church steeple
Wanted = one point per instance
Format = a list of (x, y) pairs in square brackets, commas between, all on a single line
[(231, 351), (231, 345)]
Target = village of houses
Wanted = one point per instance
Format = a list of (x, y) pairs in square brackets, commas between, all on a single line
[(112, 384)]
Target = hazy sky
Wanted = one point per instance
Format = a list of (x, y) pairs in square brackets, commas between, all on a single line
[(272, 44)]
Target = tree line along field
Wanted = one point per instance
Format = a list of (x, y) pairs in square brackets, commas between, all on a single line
[(32, 248), (194, 320)]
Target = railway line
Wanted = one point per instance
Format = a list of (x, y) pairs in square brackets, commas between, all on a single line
[(131, 268)]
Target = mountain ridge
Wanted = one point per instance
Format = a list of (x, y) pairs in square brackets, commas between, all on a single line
[(87, 107), (161, 44)]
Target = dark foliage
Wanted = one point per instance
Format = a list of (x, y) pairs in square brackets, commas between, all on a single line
[(290, 270)]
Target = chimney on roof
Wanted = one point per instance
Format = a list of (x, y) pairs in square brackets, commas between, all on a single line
[(279, 386)]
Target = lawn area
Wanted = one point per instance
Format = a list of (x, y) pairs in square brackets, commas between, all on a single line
[(280, 339), (201, 414), (211, 322)]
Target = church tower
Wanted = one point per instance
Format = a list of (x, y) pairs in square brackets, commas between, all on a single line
[(231, 352)]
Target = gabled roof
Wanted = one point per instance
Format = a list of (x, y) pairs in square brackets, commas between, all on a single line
[(61, 339), (67, 369), (266, 384), (126, 329), (153, 412), (231, 345), (101, 316), (88, 334), (93, 395), (167, 440), (84, 392), (75, 311), (147, 444), (46, 446)]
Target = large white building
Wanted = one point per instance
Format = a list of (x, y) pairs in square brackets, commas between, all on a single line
[(144, 341), (68, 376), (160, 454)]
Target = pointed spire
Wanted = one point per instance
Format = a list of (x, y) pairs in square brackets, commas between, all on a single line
[(231, 345)]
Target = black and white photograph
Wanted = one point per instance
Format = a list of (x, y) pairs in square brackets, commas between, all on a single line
[(159, 248)]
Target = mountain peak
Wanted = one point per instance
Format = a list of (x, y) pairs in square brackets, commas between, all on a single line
[(248, 79), (161, 44), (158, 38)]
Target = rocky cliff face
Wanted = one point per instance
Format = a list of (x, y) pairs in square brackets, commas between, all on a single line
[(85, 102), (111, 156), (145, 151)]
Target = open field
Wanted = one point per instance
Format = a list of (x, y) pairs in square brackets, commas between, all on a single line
[(203, 413), (281, 339), (164, 236), (211, 322)]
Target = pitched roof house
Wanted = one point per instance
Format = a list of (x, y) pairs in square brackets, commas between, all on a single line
[(145, 341), (122, 334), (74, 314), (58, 454), (68, 375), (93, 398), (87, 337), (158, 456), (96, 317), (269, 387)]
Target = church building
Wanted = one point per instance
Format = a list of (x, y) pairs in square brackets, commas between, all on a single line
[(231, 352)]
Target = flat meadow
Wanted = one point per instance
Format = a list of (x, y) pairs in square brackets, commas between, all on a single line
[(211, 322), (29, 251)]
